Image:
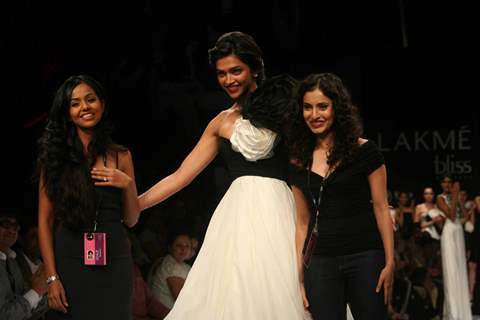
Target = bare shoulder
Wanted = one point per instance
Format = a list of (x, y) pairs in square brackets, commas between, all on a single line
[(226, 121), (124, 159), (230, 115), (124, 155), (220, 118)]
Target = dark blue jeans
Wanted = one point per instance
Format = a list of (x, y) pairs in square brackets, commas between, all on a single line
[(331, 282)]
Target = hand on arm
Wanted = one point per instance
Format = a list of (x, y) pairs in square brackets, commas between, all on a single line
[(122, 177)]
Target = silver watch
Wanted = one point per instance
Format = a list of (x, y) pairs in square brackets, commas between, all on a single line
[(52, 278)]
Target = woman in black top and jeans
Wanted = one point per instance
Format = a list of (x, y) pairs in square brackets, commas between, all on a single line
[(343, 177)]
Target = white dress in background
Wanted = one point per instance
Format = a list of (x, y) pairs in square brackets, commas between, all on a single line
[(429, 215), (456, 305), (247, 266), (159, 284)]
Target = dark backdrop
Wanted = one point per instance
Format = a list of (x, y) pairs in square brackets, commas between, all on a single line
[(409, 68)]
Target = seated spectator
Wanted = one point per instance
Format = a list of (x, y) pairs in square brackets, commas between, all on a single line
[(16, 301), (28, 252), (193, 251), (402, 286), (145, 305), (425, 301), (170, 275)]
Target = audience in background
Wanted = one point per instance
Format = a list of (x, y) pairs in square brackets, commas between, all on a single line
[(17, 301), (169, 276), (144, 305), (28, 251)]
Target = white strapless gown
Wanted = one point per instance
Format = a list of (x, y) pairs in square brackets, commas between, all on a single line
[(247, 266), (455, 282)]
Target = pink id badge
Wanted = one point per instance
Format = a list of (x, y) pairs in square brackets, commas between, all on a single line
[(95, 248)]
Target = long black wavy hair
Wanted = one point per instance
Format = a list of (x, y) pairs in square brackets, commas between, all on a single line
[(269, 105), (244, 47), (347, 125), (62, 164)]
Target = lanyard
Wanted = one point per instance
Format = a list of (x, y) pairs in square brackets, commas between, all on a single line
[(96, 215), (316, 201), (99, 202)]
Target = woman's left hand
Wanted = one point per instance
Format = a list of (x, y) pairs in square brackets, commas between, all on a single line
[(110, 177), (306, 304), (386, 280)]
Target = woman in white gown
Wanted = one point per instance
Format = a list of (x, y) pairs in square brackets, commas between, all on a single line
[(454, 266), (247, 266)]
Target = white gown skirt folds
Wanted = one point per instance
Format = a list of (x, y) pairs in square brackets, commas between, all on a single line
[(247, 266)]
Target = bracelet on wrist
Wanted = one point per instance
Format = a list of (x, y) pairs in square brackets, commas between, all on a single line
[(52, 278)]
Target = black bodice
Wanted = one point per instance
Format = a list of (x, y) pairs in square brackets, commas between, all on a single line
[(275, 167), (69, 243)]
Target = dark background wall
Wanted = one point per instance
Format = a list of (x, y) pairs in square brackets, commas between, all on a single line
[(407, 65)]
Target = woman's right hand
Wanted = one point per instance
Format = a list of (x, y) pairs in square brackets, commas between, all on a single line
[(57, 299)]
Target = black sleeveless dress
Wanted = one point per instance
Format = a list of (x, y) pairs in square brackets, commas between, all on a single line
[(97, 292)]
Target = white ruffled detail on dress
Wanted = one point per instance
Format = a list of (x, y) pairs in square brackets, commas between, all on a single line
[(252, 142)]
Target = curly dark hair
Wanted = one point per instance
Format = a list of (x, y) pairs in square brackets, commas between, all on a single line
[(241, 45), (61, 163), (347, 124), (268, 106)]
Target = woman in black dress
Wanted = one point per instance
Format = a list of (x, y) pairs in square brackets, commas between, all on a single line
[(344, 178), (86, 186)]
